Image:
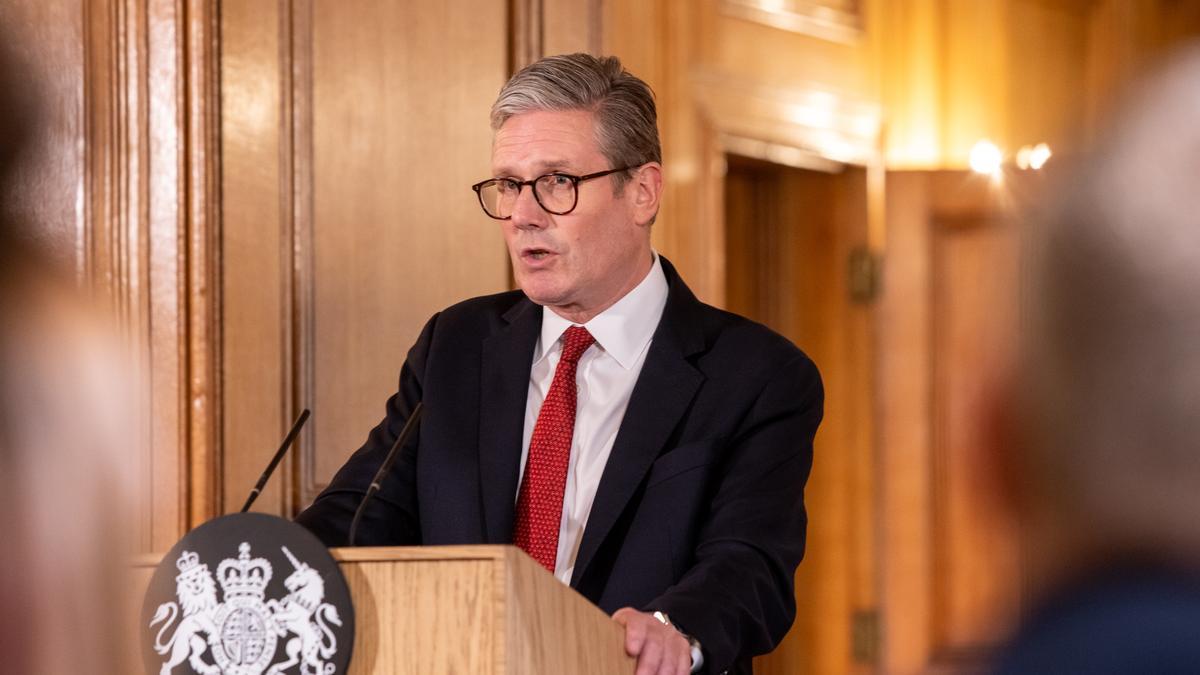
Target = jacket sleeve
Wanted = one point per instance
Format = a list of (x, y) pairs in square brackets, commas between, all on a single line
[(391, 519), (738, 599)]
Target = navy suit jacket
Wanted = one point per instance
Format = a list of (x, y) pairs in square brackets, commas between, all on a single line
[(700, 509)]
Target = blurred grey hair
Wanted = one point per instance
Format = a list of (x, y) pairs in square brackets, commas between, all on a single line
[(1112, 336), (626, 117)]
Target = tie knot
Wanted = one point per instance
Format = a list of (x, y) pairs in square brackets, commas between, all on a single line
[(575, 342)]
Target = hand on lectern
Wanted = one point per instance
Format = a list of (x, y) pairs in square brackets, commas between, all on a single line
[(659, 648)]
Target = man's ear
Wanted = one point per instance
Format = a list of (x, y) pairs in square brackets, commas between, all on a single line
[(646, 186)]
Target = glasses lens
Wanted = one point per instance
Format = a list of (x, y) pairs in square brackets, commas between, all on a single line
[(498, 197), (556, 193)]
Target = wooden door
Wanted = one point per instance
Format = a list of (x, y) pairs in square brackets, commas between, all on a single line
[(790, 234), (949, 557)]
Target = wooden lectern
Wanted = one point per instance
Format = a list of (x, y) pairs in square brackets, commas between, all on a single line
[(471, 610), (486, 610)]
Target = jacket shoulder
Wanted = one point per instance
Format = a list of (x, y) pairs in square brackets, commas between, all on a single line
[(484, 311), (722, 327), (497, 303), (755, 347)]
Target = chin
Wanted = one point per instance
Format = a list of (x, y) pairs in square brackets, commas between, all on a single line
[(541, 298), (541, 293), (536, 284)]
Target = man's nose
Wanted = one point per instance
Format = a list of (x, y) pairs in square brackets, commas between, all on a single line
[(527, 212)]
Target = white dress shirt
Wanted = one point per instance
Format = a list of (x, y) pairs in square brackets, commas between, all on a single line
[(605, 377)]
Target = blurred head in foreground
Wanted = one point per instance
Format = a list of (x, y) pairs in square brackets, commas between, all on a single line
[(1106, 475), (1113, 328), (62, 422)]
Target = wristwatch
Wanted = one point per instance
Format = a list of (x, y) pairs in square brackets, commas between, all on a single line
[(697, 653)]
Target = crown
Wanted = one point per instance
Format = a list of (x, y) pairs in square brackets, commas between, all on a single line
[(187, 560), (190, 566), (244, 577)]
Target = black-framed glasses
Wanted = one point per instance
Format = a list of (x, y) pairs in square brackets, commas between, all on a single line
[(556, 193)]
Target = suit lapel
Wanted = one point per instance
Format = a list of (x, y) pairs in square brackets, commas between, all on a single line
[(504, 387), (662, 394)]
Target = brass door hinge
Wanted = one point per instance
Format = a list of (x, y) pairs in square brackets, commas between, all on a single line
[(864, 637), (864, 270)]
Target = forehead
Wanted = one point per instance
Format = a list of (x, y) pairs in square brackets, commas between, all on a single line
[(542, 140)]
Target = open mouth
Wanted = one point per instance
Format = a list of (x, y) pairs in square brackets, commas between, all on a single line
[(536, 253)]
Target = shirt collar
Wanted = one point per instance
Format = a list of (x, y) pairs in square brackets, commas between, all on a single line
[(622, 330)]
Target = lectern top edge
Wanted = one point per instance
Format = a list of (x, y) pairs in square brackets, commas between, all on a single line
[(394, 553)]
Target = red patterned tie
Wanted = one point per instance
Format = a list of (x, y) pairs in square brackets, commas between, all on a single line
[(539, 502)]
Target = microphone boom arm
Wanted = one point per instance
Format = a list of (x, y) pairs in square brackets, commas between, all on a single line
[(409, 427)]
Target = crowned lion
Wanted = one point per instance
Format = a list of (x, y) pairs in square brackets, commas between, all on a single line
[(197, 593)]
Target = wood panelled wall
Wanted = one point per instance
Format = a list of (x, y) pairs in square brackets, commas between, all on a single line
[(384, 260), (348, 217), (161, 90), (122, 188)]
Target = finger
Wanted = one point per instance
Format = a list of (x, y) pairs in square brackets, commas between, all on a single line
[(681, 657), (651, 658), (635, 637), (622, 615), (685, 660), (670, 665)]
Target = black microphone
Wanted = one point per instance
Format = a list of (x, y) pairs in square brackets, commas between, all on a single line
[(287, 443), (414, 421)]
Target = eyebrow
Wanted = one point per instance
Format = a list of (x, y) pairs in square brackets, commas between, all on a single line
[(544, 168)]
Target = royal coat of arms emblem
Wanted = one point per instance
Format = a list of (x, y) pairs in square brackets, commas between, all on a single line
[(240, 634)]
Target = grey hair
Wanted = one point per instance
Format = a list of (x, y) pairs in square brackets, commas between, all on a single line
[(1112, 336), (626, 116)]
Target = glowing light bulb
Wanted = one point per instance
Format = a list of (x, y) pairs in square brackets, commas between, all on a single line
[(1038, 156), (1033, 156), (985, 158), (1023, 157)]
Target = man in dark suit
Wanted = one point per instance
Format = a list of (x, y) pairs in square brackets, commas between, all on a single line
[(644, 447)]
